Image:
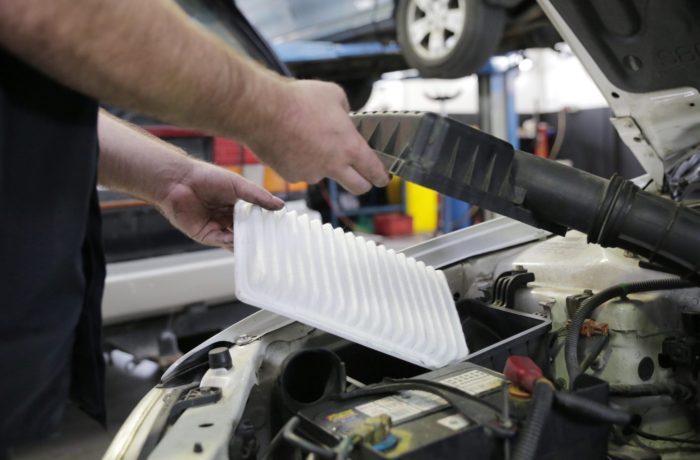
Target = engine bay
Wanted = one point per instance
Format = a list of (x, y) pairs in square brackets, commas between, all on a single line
[(581, 307), (271, 388)]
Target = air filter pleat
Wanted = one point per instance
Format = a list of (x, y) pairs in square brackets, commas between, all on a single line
[(345, 285)]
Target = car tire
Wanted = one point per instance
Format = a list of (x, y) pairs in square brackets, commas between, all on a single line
[(472, 36)]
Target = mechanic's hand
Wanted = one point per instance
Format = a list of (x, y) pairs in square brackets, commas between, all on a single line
[(313, 137), (201, 204)]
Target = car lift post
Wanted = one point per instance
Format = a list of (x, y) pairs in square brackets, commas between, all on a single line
[(497, 115)]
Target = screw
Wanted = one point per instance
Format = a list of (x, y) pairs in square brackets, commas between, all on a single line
[(244, 340), (505, 416)]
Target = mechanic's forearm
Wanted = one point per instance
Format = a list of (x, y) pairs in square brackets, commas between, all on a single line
[(134, 162), (143, 55)]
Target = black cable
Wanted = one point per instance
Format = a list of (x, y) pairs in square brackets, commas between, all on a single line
[(591, 410), (590, 359), (291, 437), (674, 390), (465, 403), (287, 433), (544, 396), (454, 396), (530, 435), (656, 437), (274, 444), (396, 385), (573, 367), (451, 389)]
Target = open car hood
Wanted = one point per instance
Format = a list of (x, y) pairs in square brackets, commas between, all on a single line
[(644, 56)]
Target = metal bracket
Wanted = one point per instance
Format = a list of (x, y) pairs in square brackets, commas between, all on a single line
[(633, 137)]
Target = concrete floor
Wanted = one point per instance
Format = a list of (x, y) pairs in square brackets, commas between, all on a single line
[(83, 438)]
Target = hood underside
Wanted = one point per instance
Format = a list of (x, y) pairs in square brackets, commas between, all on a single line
[(644, 56)]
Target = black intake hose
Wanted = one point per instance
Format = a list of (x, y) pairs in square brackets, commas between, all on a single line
[(468, 164), (592, 410), (529, 437), (572, 335), (543, 398), (309, 376)]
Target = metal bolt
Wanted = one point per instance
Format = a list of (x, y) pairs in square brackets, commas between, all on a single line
[(244, 340), (505, 414), (505, 417)]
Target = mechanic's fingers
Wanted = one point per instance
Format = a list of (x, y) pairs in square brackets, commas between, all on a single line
[(371, 168), (215, 235), (220, 237), (352, 181), (251, 193), (344, 102)]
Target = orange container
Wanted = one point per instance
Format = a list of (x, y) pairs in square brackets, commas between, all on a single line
[(274, 183), (393, 224)]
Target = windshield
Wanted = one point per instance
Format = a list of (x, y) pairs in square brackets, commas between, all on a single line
[(223, 18)]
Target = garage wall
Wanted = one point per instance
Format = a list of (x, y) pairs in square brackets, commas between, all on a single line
[(547, 83)]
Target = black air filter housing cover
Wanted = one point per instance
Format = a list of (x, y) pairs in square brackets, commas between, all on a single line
[(640, 45)]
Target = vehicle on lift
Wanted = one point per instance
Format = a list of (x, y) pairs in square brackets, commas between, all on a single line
[(592, 283), (439, 38)]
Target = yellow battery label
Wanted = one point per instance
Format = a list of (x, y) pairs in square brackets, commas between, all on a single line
[(339, 416)]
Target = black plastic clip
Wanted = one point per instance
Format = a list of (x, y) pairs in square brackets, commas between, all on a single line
[(506, 284)]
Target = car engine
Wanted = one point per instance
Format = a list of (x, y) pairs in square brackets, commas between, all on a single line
[(577, 350), (581, 306), (642, 345)]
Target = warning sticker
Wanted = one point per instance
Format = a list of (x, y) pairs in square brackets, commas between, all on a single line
[(402, 406), (454, 422), (474, 382), (408, 404)]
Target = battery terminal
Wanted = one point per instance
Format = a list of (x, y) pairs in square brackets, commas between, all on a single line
[(375, 431)]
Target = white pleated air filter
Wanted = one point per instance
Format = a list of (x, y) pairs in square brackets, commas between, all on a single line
[(345, 285)]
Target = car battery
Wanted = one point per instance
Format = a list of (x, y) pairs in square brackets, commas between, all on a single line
[(423, 425)]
